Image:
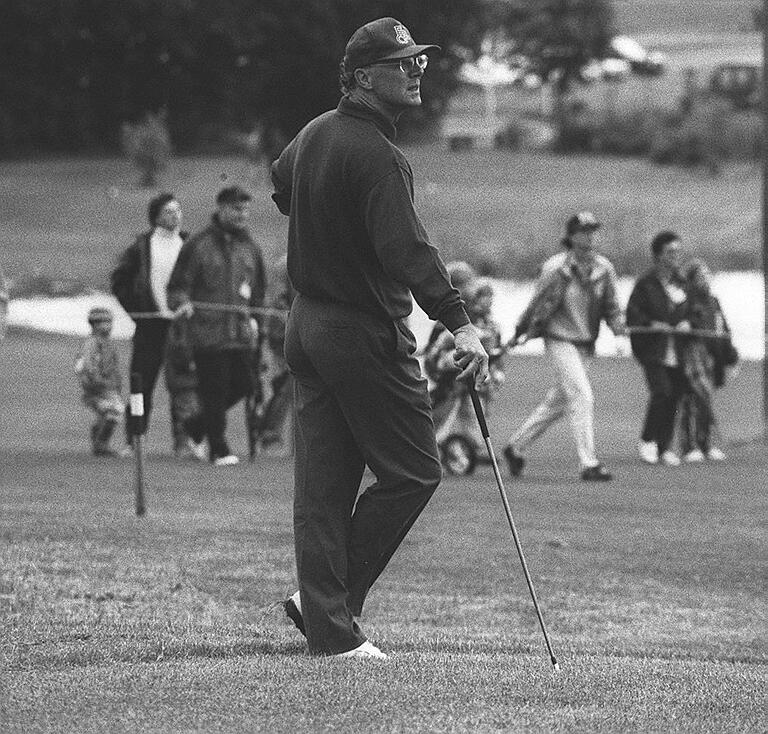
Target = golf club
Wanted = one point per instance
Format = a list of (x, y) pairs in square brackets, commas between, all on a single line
[(480, 413)]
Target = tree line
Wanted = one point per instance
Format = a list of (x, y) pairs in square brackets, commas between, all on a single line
[(73, 72)]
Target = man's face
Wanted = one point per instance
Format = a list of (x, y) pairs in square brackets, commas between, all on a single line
[(234, 215), (169, 216), (102, 328), (397, 88), (669, 257), (582, 241)]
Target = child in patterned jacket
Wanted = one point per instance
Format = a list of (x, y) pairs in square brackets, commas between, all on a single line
[(98, 369)]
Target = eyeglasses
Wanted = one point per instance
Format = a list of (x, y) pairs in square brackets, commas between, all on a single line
[(408, 65)]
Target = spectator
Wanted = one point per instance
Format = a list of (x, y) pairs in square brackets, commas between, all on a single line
[(575, 292), (438, 352), (704, 362), (274, 434), (139, 283), (452, 409), (658, 311), (217, 282), (357, 251), (98, 369), (181, 381)]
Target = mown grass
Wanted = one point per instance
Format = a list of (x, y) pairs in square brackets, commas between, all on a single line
[(503, 211), (652, 587)]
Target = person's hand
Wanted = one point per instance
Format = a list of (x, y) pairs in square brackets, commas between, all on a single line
[(661, 326), (683, 326), (184, 311), (470, 356)]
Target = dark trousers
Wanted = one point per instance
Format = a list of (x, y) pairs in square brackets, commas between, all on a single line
[(360, 399), (223, 378), (146, 359), (667, 386)]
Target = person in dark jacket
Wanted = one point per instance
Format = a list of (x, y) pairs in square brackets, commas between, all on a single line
[(657, 317), (139, 283), (218, 283), (357, 253)]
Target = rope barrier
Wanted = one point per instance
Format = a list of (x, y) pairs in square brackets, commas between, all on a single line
[(703, 333), (223, 307)]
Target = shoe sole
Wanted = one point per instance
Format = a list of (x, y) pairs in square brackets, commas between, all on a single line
[(293, 613)]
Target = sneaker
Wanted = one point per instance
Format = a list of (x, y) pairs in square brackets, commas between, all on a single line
[(515, 462), (597, 473), (197, 449), (693, 457), (649, 452), (366, 650), (670, 458), (292, 607), (106, 452), (715, 454), (228, 460)]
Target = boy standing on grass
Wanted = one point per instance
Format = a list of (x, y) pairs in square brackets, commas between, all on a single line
[(98, 367)]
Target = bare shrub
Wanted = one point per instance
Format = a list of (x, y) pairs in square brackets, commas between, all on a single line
[(147, 144)]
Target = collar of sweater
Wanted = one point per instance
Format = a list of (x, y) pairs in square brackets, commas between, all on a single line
[(371, 114)]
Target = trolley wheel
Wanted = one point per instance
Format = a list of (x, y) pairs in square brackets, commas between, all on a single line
[(458, 455)]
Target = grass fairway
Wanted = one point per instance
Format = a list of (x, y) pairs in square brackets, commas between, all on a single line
[(653, 587)]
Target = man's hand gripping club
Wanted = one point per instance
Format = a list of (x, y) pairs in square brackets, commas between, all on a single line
[(470, 356)]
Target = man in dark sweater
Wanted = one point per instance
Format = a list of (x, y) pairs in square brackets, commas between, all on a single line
[(357, 253)]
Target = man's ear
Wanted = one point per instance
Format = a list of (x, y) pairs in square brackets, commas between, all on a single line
[(363, 78)]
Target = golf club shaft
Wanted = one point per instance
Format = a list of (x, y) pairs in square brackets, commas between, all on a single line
[(478, 406)]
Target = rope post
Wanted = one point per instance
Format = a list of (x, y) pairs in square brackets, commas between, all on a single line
[(136, 427), (764, 110)]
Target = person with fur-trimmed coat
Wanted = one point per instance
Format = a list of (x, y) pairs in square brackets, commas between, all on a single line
[(218, 282)]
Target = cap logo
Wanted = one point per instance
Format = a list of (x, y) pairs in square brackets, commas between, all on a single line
[(402, 36)]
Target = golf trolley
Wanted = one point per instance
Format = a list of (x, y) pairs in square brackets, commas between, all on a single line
[(459, 439), (460, 454)]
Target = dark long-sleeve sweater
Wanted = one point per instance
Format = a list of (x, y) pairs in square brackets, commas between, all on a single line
[(354, 236)]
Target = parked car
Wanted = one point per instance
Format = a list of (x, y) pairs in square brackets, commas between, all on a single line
[(647, 63), (610, 69), (740, 83)]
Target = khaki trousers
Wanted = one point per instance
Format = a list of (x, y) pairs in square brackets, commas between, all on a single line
[(570, 397)]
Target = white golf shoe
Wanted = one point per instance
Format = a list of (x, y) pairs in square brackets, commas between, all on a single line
[(694, 457), (366, 650), (670, 458), (649, 452), (715, 454)]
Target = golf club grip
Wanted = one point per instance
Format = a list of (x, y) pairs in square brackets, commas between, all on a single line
[(479, 412)]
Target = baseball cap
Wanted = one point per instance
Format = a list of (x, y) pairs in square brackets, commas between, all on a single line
[(232, 195), (581, 220), (98, 314), (381, 40)]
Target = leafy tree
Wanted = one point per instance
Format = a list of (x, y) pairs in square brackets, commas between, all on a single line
[(73, 71), (559, 36)]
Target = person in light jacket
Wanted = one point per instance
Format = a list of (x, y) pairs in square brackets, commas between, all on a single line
[(575, 292)]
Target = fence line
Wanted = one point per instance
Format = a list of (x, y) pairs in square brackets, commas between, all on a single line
[(703, 333), (224, 307)]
